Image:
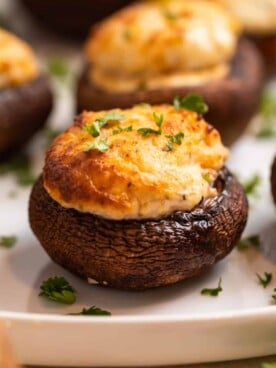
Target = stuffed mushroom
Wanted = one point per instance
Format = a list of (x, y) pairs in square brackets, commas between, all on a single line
[(138, 198), (273, 180), (156, 50), (258, 18), (72, 18), (25, 94)]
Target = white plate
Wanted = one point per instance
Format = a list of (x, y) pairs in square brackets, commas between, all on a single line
[(172, 325)]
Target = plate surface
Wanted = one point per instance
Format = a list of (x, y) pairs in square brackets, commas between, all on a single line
[(172, 325)]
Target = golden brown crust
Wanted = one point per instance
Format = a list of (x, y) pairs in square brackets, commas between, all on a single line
[(18, 64), (137, 177)]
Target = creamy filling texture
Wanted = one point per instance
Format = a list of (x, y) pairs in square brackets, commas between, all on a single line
[(17, 62), (113, 83)]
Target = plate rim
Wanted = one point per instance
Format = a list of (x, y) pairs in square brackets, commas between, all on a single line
[(257, 312)]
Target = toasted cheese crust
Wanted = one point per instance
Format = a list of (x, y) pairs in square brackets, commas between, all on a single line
[(17, 61), (138, 176), (162, 43), (257, 16)]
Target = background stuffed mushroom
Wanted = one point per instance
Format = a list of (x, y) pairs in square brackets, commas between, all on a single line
[(154, 63), (25, 94)]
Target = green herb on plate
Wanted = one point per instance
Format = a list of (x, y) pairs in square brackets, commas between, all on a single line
[(20, 166), (268, 365), (58, 68), (251, 185), (265, 280), (268, 115), (101, 145), (250, 241), (94, 129), (59, 290), (213, 292), (7, 241), (191, 102), (92, 311), (274, 295), (169, 15), (207, 177)]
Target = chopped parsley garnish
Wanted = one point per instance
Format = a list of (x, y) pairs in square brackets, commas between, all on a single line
[(20, 166), (207, 177), (268, 365), (174, 139), (251, 185), (191, 102), (101, 145), (265, 280), (213, 292), (148, 131), (58, 68), (274, 295), (268, 115), (95, 128), (7, 241), (250, 241), (92, 311), (121, 130), (58, 290), (127, 34), (169, 15)]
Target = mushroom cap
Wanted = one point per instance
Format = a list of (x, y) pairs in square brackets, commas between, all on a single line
[(137, 255)]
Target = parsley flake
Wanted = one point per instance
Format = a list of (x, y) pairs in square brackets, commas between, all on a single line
[(174, 139), (95, 128), (251, 185), (102, 145), (58, 290), (121, 130), (207, 177), (250, 241), (274, 295), (20, 166), (58, 68), (92, 311), (191, 102), (7, 241), (169, 15), (268, 365), (268, 115), (148, 131), (213, 292), (266, 280)]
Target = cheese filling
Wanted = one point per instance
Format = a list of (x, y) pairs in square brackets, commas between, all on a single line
[(257, 16), (159, 44), (137, 176), (17, 61)]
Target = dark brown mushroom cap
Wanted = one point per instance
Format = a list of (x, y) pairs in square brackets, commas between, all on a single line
[(267, 47), (233, 100), (72, 18), (273, 180), (138, 255), (23, 111)]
